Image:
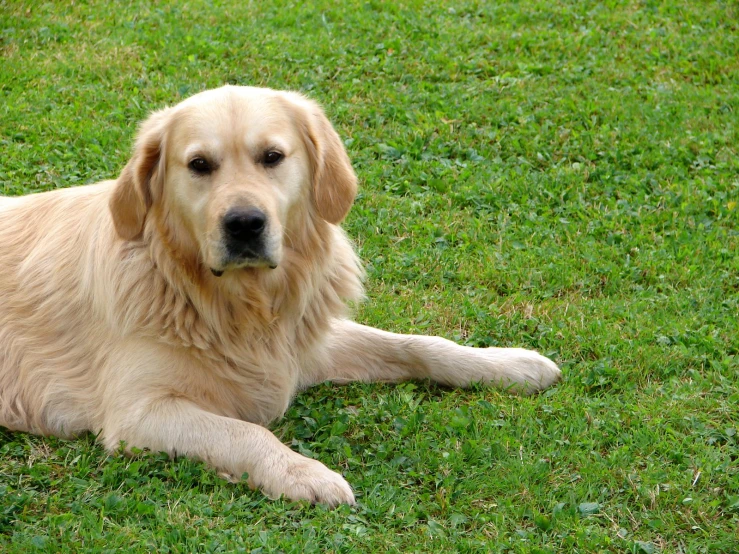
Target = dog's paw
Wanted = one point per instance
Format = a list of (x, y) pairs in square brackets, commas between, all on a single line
[(306, 479), (526, 371)]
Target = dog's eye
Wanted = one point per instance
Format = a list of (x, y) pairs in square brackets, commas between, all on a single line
[(272, 158), (200, 166)]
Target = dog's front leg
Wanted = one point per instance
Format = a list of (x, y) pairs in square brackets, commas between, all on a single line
[(181, 428), (358, 353)]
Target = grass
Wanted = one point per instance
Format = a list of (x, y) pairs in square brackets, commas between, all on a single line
[(561, 176)]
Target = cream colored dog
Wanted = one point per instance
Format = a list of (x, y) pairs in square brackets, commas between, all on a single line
[(181, 307)]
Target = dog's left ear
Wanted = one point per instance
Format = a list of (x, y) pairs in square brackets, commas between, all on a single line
[(334, 180), (141, 181)]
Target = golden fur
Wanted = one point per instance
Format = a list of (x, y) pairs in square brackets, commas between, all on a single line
[(122, 311)]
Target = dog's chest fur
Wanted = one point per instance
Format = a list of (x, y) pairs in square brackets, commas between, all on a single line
[(248, 333)]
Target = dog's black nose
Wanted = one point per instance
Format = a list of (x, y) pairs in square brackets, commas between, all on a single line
[(245, 225)]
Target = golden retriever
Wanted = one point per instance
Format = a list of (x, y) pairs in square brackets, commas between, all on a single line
[(180, 307)]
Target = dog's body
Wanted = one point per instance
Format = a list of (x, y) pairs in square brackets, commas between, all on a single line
[(182, 306)]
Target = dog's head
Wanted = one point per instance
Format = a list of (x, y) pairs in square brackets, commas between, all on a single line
[(232, 172)]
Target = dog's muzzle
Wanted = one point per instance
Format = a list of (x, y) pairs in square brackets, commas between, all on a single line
[(244, 235)]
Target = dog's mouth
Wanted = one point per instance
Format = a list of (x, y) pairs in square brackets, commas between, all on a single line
[(247, 262), (235, 256), (220, 272)]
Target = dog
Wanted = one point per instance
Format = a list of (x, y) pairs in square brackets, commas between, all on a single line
[(181, 306)]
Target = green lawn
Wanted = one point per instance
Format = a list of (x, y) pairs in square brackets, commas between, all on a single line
[(556, 175)]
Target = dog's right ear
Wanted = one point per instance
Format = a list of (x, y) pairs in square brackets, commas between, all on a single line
[(140, 183)]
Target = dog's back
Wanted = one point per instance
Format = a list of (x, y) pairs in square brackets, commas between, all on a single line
[(46, 249), (7, 202)]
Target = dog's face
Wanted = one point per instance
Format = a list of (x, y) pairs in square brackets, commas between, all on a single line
[(235, 168), (231, 172)]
